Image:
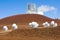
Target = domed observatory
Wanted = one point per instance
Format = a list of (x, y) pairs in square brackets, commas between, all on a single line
[(33, 25), (30, 24), (5, 28), (53, 24), (14, 26), (46, 24)]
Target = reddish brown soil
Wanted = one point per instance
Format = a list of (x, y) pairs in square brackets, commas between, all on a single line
[(25, 33), (33, 34), (24, 18)]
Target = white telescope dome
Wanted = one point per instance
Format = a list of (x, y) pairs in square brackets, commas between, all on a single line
[(34, 24), (5, 28), (52, 22), (30, 24), (55, 25), (46, 24), (14, 26)]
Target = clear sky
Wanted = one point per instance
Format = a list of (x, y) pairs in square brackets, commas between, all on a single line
[(13, 7)]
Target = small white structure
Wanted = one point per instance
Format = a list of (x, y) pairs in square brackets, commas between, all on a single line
[(52, 23), (55, 25), (46, 24), (43, 24), (34, 24), (14, 26), (30, 24), (5, 28)]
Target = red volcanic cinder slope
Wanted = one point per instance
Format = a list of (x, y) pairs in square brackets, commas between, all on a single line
[(29, 34), (25, 19)]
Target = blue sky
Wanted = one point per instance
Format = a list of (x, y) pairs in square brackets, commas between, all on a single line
[(13, 7)]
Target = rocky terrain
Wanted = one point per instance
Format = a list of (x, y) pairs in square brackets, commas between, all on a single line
[(24, 32)]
